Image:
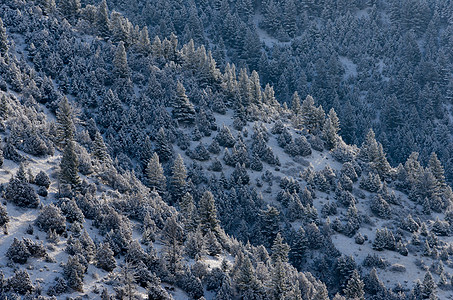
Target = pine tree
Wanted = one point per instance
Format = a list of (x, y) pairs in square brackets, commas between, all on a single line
[(208, 213), (155, 174), (429, 286), (369, 150), (178, 184), (18, 252), (3, 40), (4, 110), (225, 138), (329, 134), (120, 66), (4, 218), (295, 104), (183, 110), (69, 166), (104, 258), (163, 147), (354, 288), (172, 236), (313, 117), (144, 43), (20, 192), (280, 250), (188, 210), (246, 278), (70, 9), (299, 247), (269, 225), (65, 121), (99, 148), (102, 19), (437, 170), (21, 282)]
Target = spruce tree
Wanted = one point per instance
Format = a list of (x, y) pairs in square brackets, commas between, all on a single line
[(104, 258), (163, 147), (99, 148), (312, 116), (208, 213), (4, 218), (280, 250), (172, 236), (120, 66), (3, 40), (183, 110), (178, 184), (155, 174), (354, 288), (295, 104), (102, 19), (65, 121), (429, 286), (437, 170), (4, 110), (18, 252), (21, 282), (69, 166), (299, 248)]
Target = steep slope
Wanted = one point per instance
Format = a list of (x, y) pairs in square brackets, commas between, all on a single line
[(244, 198)]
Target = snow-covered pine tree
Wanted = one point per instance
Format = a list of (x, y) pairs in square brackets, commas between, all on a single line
[(120, 66), (65, 120), (104, 258), (155, 174), (183, 111), (178, 183), (354, 288), (69, 166), (100, 149), (208, 213), (3, 40), (163, 147)]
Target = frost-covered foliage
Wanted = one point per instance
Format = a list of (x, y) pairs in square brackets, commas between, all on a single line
[(172, 165)]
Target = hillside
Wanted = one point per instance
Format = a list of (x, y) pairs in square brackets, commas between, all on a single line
[(136, 167)]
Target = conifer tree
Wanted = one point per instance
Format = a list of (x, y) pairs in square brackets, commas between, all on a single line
[(18, 252), (65, 121), (183, 110), (99, 148), (428, 286), (104, 258), (178, 184), (329, 134), (163, 147), (155, 174), (102, 19), (4, 108), (354, 288), (437, 170), (4, 218), (120, 66), (312, 116), (20, 282), (280, 250), (208, 213), (295, 104), (3, 40), (246, 278), (188, 210), (70, 9), (299, 247), (69, 166), (172, 236)]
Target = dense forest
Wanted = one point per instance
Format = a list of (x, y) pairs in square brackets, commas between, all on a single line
[(244, 149)]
